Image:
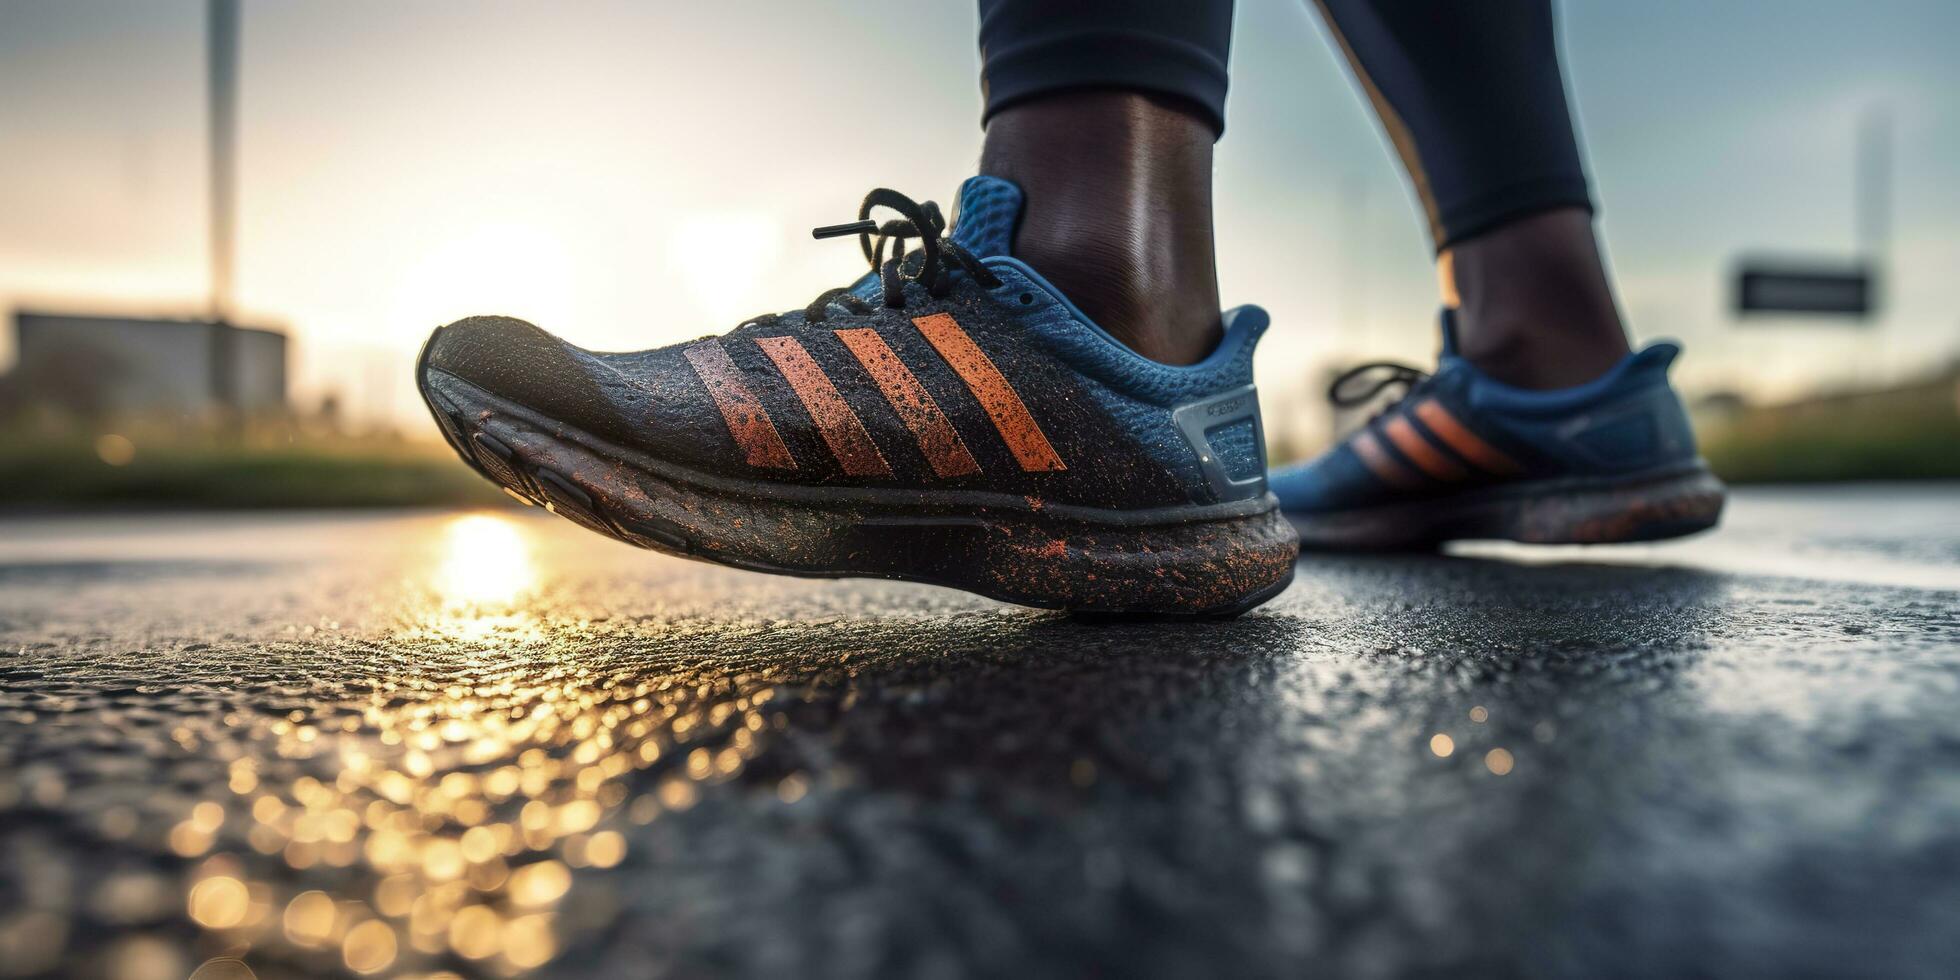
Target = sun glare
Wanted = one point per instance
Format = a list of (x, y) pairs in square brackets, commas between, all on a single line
[(485, 561)]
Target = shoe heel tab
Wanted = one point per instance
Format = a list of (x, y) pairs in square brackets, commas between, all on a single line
[(1239, 331), (1245, 324), (1657, 356)]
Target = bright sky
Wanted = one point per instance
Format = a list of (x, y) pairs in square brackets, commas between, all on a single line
[(633, 174)]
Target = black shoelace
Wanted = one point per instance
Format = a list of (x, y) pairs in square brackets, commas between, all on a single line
[(1360, 384), (930, 265)]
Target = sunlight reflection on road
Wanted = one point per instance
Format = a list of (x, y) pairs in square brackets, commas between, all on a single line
[(445, 813), (486, 560)]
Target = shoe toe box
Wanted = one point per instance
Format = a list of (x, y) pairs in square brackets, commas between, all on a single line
[(516, 361), (645, 400)]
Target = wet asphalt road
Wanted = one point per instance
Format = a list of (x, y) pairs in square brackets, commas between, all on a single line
[(498, 745)]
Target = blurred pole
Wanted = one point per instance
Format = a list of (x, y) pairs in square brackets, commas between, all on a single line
[(222, 51), (224, 124)]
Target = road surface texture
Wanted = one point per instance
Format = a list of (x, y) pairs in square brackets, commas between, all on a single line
[(494, 744)]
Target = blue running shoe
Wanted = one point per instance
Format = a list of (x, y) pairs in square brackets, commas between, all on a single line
[(1460, 455), (950, 418)]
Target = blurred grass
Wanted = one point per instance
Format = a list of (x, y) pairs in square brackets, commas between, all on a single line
[(1906, 433), (68, 473)]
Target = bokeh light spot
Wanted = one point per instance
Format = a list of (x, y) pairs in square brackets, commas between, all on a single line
[(1498, 761), (219, 902), (369, 947)]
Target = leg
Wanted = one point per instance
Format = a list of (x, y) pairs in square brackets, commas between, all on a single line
[(1105, 113), (1472, 98), (1470, 94)]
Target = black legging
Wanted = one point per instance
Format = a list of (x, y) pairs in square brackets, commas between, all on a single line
[(1468, 90)]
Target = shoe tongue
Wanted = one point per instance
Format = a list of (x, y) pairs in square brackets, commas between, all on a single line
[(990, 207)]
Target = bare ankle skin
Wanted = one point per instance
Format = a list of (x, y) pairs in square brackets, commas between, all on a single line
[(1119, 212), (1537, 308)]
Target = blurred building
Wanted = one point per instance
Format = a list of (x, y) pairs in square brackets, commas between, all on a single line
[(105, 365)]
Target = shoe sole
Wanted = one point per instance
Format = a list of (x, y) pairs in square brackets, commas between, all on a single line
[(1214, 562), (1650, 506)]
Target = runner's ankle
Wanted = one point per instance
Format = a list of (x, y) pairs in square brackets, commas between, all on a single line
[(1118, 212), (1535, 307)]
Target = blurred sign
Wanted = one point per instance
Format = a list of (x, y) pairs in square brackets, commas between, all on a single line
[(1836, 290)]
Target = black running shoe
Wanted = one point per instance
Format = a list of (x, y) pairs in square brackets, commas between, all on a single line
[(951, 418)]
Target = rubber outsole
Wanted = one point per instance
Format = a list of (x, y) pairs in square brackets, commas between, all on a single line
[(1213, 563), (1665, 503)]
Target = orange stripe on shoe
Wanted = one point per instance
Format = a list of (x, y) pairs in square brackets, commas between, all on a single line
[(840, 427), (1420, 451), (1466, 443), (748, 422), (1023, 436), (938, 440), (1375, 456)]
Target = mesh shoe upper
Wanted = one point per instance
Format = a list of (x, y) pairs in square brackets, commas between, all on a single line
[(1001, 386), (1459, 429)]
